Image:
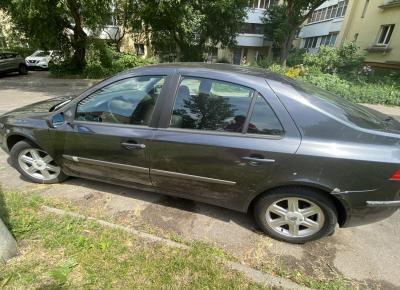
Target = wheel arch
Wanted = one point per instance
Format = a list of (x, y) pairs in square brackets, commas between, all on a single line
[(15, 138), (340, 208)]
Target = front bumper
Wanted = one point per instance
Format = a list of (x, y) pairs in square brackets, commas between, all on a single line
[(37, 65)]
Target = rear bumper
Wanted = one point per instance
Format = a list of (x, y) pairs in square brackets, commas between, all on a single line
[(369, 206)]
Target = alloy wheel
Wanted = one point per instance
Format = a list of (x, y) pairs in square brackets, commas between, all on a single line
[(295, 217), (38, 164)]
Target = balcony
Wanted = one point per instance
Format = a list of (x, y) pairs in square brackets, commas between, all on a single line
[(389, 4), (253, 40)]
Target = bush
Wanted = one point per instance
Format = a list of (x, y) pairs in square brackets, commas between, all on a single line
[(22, 51), (355, 90), (296, 57), (101, 61), (345, 59)]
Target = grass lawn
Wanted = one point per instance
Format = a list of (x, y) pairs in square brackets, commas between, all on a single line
[(65, 252)]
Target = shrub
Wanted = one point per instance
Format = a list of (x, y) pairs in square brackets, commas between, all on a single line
[(296, 57), (22, 51), (345, 59), (264, 62), (223, 59)]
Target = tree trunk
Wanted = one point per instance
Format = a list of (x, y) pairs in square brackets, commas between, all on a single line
[(286, 46), (79, 45), (79, 39)]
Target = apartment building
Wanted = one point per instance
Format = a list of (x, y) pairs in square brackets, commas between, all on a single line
[(324, 25), (251, 41), (375, 27)]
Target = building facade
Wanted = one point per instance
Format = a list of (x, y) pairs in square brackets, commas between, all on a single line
[(252, 44), (324, 25), (375, 27)]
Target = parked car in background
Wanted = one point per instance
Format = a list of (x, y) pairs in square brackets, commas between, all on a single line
[(12, 62), (41, 59), (299, 158)]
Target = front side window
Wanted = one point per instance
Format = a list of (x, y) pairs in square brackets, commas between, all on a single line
[(204, 104), (128, 101)]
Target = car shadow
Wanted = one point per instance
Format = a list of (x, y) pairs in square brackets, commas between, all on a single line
[(156, 199), (177, 204)]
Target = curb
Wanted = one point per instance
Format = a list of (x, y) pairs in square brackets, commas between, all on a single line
[(252, 274), (8, 246)]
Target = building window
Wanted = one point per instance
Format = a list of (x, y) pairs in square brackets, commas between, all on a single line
[(311, 42), (262, 4), (139, 48), (253, 28), (365, 8), (329, 40), (385, 33), (330, 12)]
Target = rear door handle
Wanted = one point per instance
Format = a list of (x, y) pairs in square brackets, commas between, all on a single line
[(131, 146), (258, 160)]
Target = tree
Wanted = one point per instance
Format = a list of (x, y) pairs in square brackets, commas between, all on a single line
[(126, 20), (189, 26), (283, 21), (59, 23)]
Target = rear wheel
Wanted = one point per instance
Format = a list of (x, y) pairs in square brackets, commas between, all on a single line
[(35, 164), (22, 70), (296, 215)]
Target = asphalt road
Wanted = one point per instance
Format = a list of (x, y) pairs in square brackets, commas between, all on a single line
[(367, 255)]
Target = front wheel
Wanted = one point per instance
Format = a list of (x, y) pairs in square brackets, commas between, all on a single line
[(23, 70), (35, 164), (296, 215)]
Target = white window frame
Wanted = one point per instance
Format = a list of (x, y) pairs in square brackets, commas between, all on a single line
[(387, 37)]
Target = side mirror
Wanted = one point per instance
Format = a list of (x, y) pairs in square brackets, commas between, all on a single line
[(57, 120)]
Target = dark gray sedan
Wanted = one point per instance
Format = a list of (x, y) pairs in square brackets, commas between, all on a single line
[(12, 62), (300, 159)]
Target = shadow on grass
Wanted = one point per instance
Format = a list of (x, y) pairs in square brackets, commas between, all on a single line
[(4, 212)]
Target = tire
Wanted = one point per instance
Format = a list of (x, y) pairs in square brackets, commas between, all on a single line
[(277, 215), (22, 69), (33, 166)]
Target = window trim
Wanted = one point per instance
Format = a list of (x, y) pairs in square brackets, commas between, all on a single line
[(223, 133), (388, 32), (76, 121)]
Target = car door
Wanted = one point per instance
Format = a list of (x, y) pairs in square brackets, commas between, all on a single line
[(109, 135), (222, 142)]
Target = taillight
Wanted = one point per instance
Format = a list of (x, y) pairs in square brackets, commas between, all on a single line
[(396, 176)]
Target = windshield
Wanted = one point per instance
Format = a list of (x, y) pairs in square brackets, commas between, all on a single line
[(40, 53), (343, 109)]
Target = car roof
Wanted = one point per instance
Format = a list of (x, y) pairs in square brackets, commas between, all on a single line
[(188, 67)]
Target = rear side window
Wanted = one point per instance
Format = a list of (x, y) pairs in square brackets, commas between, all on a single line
[(263, 119), (212, 105), (204, 104)]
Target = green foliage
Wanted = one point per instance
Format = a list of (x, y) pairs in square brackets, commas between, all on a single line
[(345, 59), (223, 59), (283, 20), (296, 56), (187, 27), (102, 61), (58, 24), (22, 51), (264, 62)]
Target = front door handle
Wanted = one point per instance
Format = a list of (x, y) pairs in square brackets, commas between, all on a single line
[(256, 160), (131, 146)]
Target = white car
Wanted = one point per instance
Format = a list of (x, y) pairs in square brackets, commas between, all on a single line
[(41, 58)]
